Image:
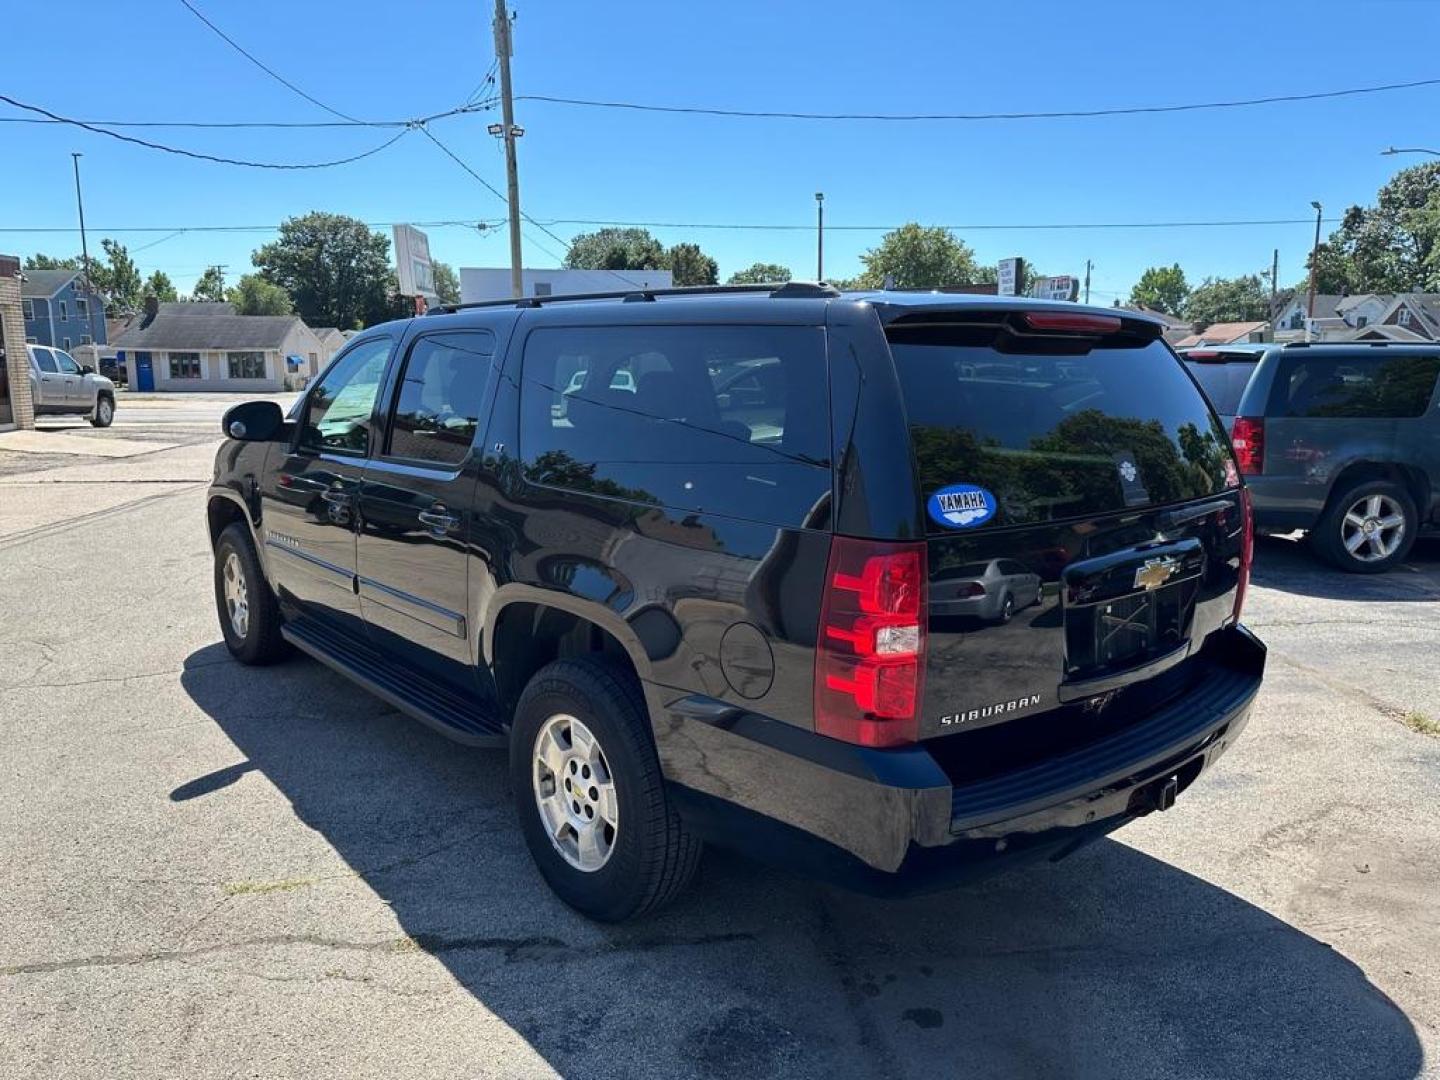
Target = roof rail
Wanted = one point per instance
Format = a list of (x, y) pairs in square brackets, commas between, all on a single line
[(640, 294)]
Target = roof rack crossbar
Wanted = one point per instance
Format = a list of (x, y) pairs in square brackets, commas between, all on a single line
[(641, 294)]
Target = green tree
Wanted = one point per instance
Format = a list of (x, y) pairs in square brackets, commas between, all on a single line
[(918, 257), (1216, 300), (691, 266), (336, 270), (1162, 288), (616, 249), (118, 278), (40, 261), (447, 283), (253, 295), (210, 288), (1393, 246), (760, 273), (160, 287)]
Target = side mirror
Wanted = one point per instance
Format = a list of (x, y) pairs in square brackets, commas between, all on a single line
[(86, 369), (253, 421)]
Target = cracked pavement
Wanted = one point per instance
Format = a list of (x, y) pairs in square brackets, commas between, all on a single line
[(213, 871)]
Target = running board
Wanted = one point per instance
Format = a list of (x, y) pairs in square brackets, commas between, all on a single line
[(432, 703)]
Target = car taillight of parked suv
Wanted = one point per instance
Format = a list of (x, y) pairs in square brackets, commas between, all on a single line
[(889, 587), (1343, 441)]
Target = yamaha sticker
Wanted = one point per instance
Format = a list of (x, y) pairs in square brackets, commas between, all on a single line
[(961, 506)]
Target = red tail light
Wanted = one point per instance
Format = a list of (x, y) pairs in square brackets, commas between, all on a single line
[(973, 588), (1247, 549), (1247, 437), (870, 652)]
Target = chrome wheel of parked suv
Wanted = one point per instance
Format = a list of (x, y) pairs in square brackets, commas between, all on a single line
[(249, 613), (1372, 528), (593, 805), (1368, 528), (575, 792)]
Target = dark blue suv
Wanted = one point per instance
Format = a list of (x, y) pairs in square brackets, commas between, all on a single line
[(714, 566)]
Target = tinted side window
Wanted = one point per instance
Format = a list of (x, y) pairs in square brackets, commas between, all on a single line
[(338, 411), (67, 363), (731, 420), (1372, 385), (437, 406), (45, 361)]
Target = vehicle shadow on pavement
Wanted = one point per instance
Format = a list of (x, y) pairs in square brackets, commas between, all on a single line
[(1290, 566), (1109, 963)]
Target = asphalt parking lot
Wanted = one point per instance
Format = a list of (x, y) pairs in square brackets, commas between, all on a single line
[(214, 871)]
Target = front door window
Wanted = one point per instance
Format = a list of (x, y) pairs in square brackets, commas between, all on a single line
[(340, 410)]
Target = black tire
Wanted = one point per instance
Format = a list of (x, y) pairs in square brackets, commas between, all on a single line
[(104, 411), (1328, 536), (261, 642), (653, 856), (1007, 609)]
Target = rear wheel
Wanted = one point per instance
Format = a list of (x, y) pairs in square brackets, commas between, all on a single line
[(1368, 528), (249, 613), (1007, 609), (104, 411), (591, 799)]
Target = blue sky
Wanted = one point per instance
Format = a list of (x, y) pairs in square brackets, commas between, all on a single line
[(382, 61)]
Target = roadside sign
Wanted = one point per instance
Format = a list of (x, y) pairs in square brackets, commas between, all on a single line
[(412, 263), (1064, 287), (1007, 275)]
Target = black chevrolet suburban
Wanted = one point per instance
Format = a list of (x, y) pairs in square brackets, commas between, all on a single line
[(700, 559)]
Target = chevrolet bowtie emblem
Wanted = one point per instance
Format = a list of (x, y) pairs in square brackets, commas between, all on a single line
[(1155, 572)]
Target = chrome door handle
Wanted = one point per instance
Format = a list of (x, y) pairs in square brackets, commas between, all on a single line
[(438, 519)]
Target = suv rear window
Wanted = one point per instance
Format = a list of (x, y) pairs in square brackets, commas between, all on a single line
[(1224, 378), (1369, 384), (732, 420), (1056, 434)]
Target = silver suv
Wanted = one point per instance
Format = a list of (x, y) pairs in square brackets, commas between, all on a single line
[(59, 385)]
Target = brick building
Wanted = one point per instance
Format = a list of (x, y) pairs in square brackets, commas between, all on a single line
[(16, 407)]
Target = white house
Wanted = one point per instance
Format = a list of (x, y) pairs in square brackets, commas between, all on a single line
[(209, 347), (1336, 317), (489, 283)]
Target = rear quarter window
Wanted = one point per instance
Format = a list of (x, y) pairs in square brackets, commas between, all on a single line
[(1371, 385), (1062, 435), (731, 420)]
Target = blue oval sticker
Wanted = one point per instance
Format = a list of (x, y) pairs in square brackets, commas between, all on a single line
[(961, 506)]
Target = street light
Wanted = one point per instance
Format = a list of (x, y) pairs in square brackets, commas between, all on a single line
[(1408, 150), (1314, 259), (820, 236)]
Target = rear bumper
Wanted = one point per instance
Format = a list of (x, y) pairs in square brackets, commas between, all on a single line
[(890, 821), (1285, 503)]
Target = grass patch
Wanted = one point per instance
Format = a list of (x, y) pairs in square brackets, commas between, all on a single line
[(249, 888), (1419, 722)]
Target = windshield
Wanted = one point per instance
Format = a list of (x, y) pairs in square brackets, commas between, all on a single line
[(1057, 436)]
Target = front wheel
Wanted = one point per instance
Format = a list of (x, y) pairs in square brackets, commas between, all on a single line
[(104, 411), (1368, 528), (249, 613), (590, 796)]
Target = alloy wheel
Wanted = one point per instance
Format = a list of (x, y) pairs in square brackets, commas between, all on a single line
[(575, 792), (1373, 528), (237, 599)]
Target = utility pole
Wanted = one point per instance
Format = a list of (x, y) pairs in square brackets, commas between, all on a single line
[(1087, 281), (1274, 285), (1314, 258), (507, 116), (819, 236), (75, 157)]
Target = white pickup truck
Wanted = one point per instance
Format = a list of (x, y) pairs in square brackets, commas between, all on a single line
[(59, 385)]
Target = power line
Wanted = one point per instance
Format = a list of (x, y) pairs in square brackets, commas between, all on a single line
[(478, 224), (1042, 226), (263, 67), (1130, 110), (465, 109), (524, 216), (207, 157)]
